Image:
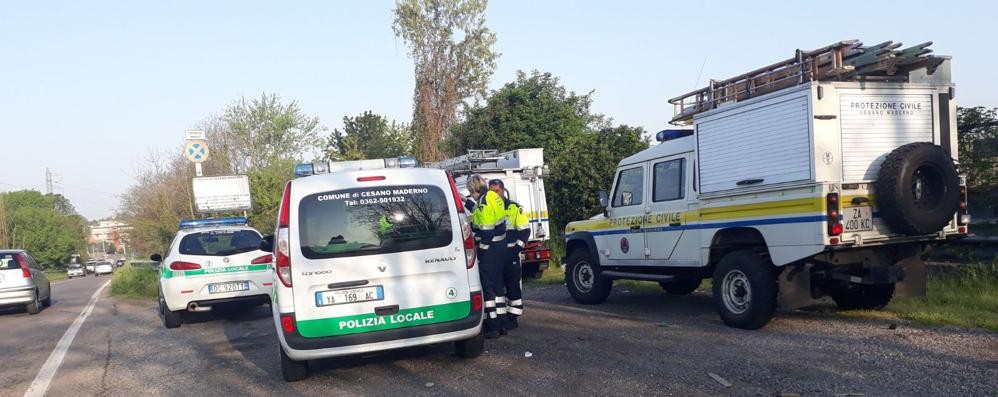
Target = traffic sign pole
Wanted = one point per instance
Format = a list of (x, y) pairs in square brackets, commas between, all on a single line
[(197, 169)]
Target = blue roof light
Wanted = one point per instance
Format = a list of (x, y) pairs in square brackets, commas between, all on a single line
[(303, 170), (196, 223), (407, 162), (668, 135)]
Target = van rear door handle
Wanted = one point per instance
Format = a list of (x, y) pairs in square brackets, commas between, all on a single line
[(748, 182), (386, 310)]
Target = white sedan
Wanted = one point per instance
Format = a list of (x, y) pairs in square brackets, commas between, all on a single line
[(103, 268)]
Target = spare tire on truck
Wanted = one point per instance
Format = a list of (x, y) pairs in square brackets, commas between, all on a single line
[(918, 189)]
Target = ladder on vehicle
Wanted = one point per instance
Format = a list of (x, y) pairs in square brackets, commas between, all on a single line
[(846, 60), (474, 161)]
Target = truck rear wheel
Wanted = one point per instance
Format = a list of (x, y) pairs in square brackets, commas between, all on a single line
[(681, 286), (582, 277), (745, 290), (863, 297)]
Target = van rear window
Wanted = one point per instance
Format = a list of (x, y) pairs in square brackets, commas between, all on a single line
[(375, 220)]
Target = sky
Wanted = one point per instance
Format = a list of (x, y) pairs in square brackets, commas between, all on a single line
[(90, 89)]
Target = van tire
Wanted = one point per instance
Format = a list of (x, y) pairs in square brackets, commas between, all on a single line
[(681, 286), (582, 277), (863, 297), (292, 370), (471, 347), (35, 306), (903, 205), (745, 290)]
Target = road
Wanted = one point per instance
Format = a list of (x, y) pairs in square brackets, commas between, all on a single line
[(638, 343)]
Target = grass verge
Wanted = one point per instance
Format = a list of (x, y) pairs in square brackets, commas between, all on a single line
[(135, 282), (55, 275), (965, 297)]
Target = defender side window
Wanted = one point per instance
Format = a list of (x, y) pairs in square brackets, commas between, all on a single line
[(668, 180), (630, 187)]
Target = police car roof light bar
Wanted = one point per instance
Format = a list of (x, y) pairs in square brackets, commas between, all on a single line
[(325, 167), (196, 223), (668, 135)]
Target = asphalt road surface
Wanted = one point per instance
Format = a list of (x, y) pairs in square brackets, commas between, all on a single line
[(638, 343)]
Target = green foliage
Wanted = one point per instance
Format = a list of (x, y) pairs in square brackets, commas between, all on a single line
[(135, 282), (369, 136), (47, 226), (966, 297), (582, 149), (265, 130), (266, 188), (978, 140), (451, 49)]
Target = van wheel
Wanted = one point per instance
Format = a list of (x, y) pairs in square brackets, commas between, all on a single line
[(471, 347), (35, 306), (745, 290), (681, 286), (171, 319), (292, 370), (582, 277), (863, 297)]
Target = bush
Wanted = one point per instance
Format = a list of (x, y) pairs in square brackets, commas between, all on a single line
[(135, 282), (966, 297)]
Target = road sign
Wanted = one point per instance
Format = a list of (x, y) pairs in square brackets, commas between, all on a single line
[(196, 150), (194, 135), (222, 193)]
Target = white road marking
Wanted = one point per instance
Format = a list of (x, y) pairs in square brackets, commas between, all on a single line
[(45, 375)]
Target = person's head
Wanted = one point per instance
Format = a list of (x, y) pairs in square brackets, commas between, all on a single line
[(496, 185), (477, 186)]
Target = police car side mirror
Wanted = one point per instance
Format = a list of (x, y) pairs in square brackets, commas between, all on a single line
[(156, 258), (267, 243), (604, 201)]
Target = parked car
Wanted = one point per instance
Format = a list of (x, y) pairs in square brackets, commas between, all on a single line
[(90, 266), (120, 262), (22, 282), (103, 268), (75, 271)]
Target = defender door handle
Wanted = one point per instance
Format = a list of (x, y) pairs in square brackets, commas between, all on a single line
[(675, 224), (636, 227)]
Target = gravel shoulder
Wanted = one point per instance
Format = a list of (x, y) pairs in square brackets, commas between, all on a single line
[(637, 343)]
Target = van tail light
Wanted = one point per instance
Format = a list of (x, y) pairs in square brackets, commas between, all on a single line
[(476, 301), (181, 265), (963, 217), (262, 260), (287, 323), (282, 250), (24, 266), (832, 205), (466, 235)]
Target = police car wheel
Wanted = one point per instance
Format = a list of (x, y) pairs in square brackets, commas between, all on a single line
[(582, 277), (171, 319), (471, 347), (35, 306), (745, 290), (292, 370)]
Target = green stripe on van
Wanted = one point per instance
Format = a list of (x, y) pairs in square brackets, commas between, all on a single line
[(371, 322), (167, 273)]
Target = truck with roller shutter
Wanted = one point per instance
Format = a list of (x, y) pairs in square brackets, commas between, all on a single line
[(829, 174)]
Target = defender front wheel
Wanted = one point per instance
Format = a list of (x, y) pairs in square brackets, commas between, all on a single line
[(582, 277)]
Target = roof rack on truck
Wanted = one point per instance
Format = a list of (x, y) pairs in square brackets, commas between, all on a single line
[(846, 60)]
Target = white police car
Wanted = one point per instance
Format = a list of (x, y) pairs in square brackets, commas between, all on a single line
[(210, 262), (372, 255)]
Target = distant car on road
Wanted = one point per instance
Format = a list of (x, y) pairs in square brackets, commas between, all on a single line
[(103, 268), (75, 271), (120, 262), (22, 282)]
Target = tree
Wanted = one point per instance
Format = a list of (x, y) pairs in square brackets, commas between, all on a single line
[(44, 225), (581, 148), (533, 111), (978, 140), (452, 51), (264, 130), (369, 136)]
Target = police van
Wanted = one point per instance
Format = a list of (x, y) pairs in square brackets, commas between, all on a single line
[(212, 262), (372, 255), (828, 174)]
